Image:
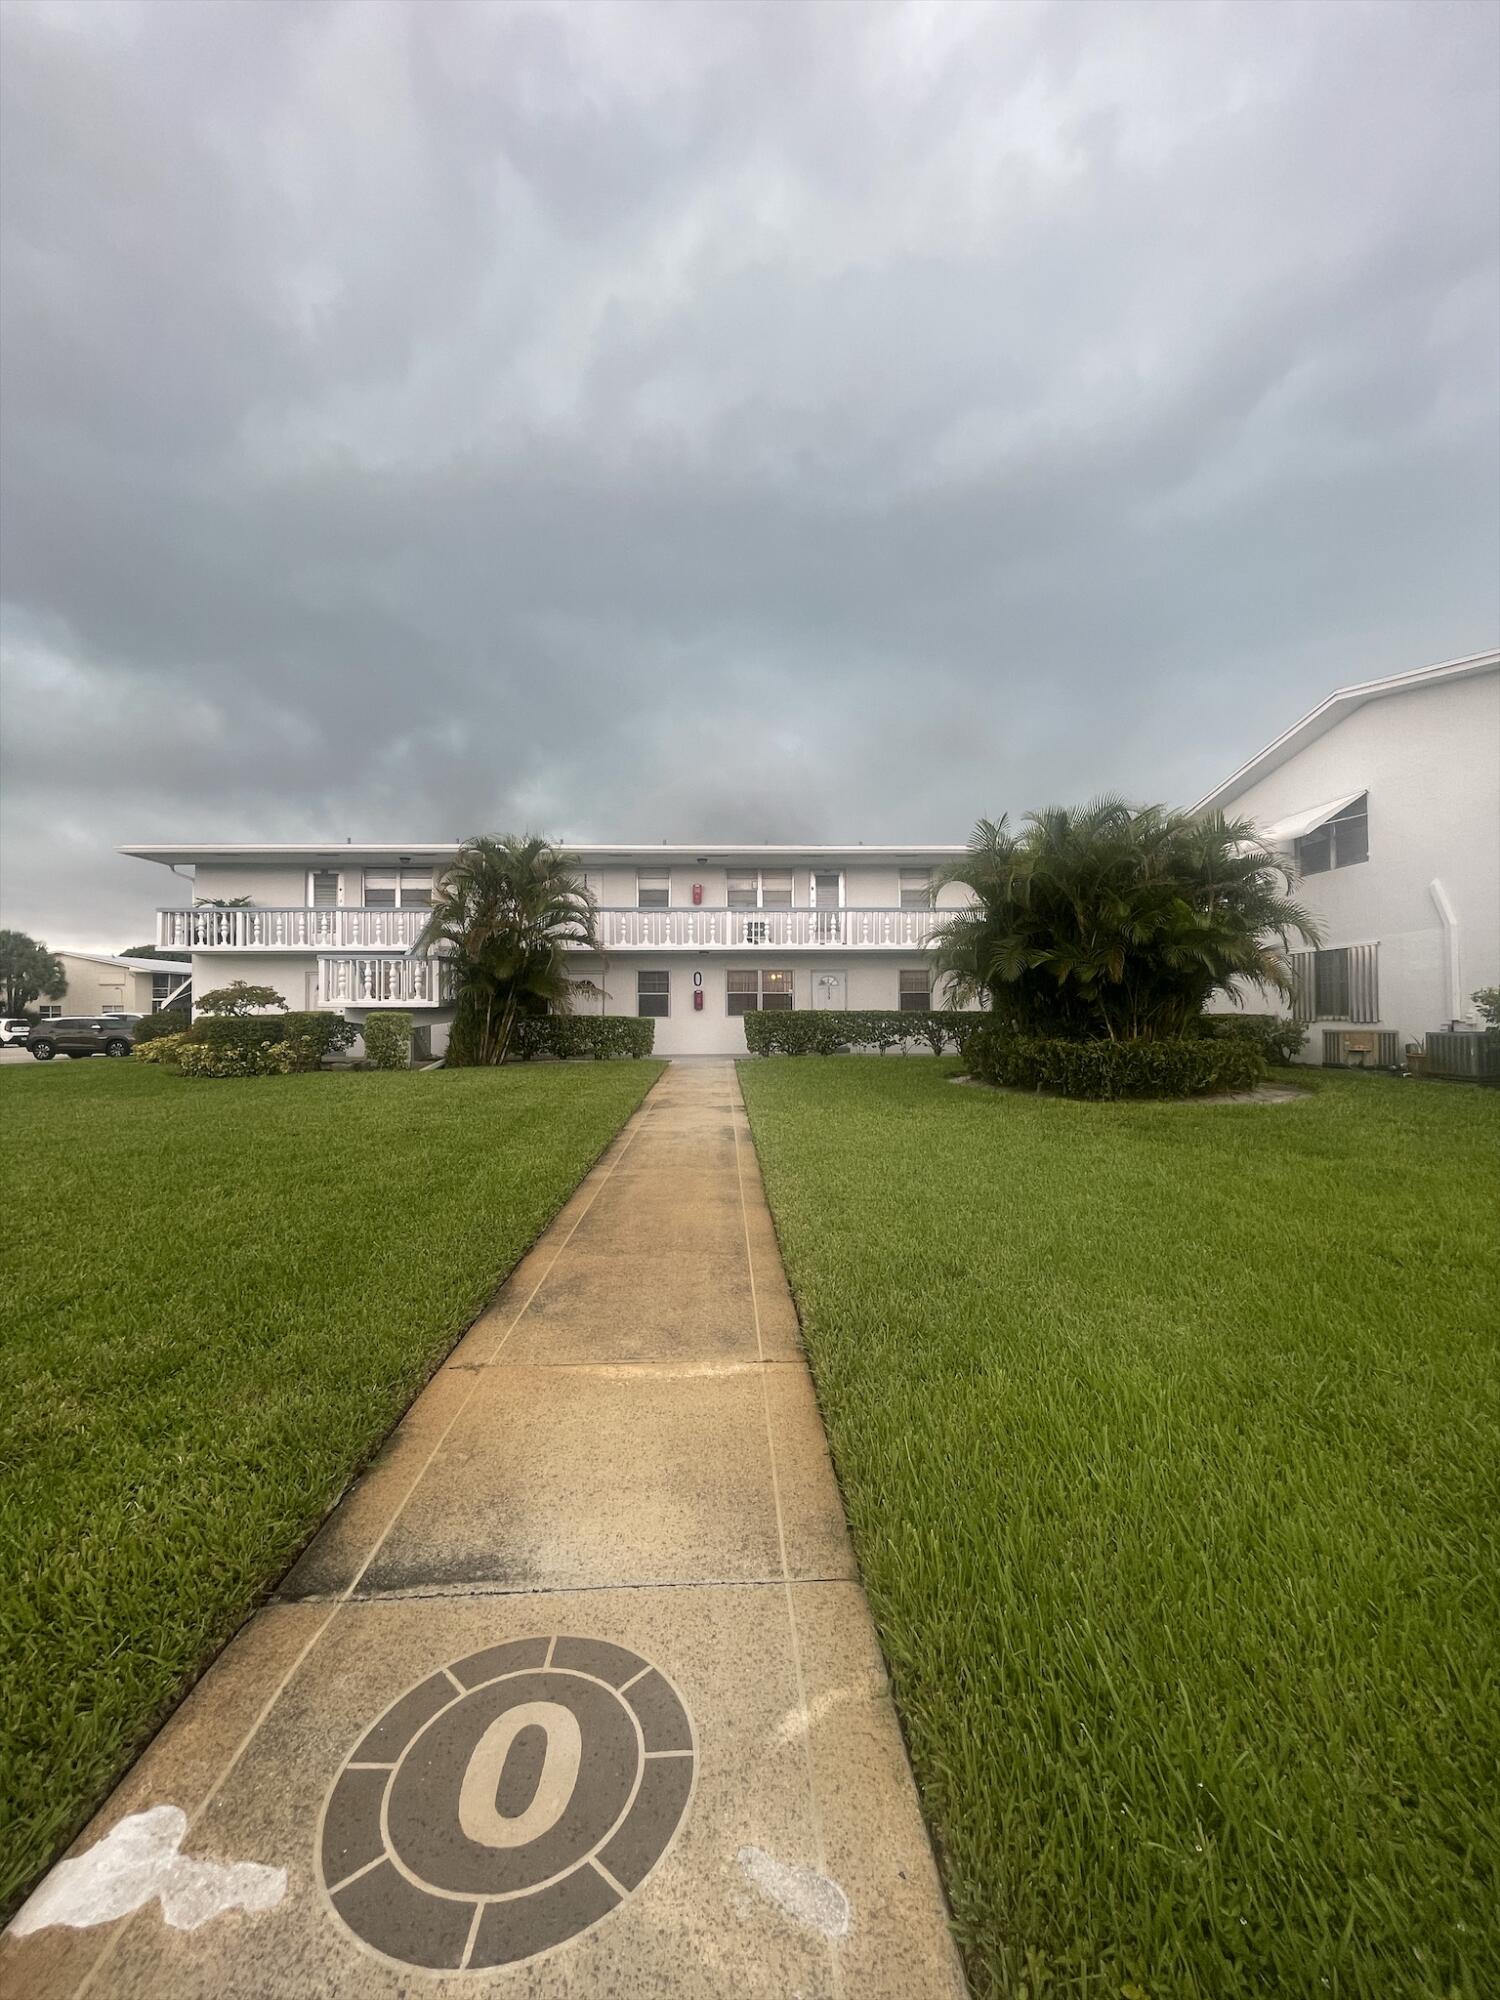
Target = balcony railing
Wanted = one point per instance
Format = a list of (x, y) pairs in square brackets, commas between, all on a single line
[(383, 982), (304, 929), (700, 929), (752, 930)]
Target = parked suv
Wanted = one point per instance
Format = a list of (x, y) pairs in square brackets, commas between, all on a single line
[(83, 1035), (13, 1031)]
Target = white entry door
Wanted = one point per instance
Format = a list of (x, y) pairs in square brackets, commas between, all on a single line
[(828, 989)]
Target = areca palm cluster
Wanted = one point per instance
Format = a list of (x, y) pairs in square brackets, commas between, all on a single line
[(505, 916), (1112, 921)]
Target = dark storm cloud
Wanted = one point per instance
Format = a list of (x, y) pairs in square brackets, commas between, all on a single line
[(765, 422)]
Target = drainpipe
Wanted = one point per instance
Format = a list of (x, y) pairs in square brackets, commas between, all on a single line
[(1449, 922)]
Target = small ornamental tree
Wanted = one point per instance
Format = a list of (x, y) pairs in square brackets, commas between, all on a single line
[(506, 915), (28, 969), (238, 997)]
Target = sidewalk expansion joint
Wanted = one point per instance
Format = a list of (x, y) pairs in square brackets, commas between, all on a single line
[(458, 1592)]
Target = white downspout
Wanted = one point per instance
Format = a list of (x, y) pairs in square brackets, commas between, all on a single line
[(1449, 922)]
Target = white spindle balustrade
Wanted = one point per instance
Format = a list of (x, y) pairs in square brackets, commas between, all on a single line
[(689, 929)]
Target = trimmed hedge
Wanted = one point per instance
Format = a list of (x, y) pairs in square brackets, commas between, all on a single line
[(156, 1027), (824, 1031), (568, 1035), (1278, 1039), (388, 1040), (310, 1038), (1188, 1067)]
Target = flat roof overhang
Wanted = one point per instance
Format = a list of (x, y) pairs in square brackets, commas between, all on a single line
[(414, 852)]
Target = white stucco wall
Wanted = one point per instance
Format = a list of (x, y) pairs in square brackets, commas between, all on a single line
[(869, 981), (294, 975), (1430, 760)]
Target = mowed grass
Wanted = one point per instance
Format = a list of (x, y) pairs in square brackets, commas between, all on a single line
[(218, 1297), (1169, 1436)]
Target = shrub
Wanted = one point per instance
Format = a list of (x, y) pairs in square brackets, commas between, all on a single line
[(1278, 1039), (153, 1027), (824, 1031), (160, 1048), (309, 1038), (206, 1059), (388, 1040), (596, 1035), (1171, 1067), (1487, 1000), (238, 997)]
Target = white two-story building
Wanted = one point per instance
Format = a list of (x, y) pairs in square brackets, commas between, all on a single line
[(1385, 799), (693, 936)]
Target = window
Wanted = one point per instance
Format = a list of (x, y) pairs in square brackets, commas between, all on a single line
[(653, 994), (1338, 985), (113, 1010), (759, 889), (915, 995), (916, 889), (1339, 842), (385, 888), (50, 1013), (748, 991), (653, 888), (323, 888), (1331, 985)]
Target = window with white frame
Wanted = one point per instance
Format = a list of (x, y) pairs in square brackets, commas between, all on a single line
[(323, 888), (759, 889), (50, 1013), (406, 888), (1338, 842), (653, 888), (916, 888), (747, 992), (653, 994), (914, 994)]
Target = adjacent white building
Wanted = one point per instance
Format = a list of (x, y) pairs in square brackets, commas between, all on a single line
[(106, 983), (693, 936), (1386, 800)]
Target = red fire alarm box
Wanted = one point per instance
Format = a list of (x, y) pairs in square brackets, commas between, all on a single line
[(698, 1000), (697, 892)]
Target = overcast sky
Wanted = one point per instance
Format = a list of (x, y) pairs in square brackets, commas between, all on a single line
[(745, 422)]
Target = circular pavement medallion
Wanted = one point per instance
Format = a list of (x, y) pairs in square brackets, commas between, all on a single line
[(506, 1803)]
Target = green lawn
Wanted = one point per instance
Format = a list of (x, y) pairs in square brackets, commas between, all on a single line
[(217, 1299), (1169, 1436)]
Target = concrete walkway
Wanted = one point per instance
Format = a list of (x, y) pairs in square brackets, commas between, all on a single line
[(576, 1694)]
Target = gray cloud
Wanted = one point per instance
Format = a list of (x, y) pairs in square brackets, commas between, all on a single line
[(677, 421)]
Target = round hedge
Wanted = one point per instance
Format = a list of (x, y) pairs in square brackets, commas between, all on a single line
[(1189, 1067)]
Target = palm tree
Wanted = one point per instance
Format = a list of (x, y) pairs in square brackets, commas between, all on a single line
[(1117, 921), (504, 917)]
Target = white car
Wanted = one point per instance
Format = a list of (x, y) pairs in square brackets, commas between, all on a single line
[(13, 1031)]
